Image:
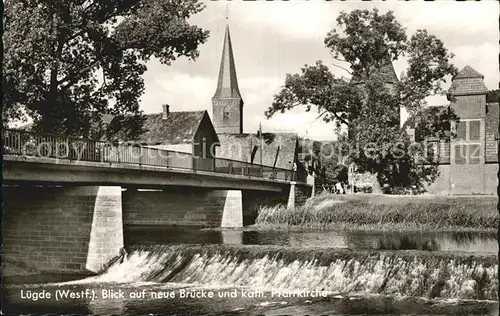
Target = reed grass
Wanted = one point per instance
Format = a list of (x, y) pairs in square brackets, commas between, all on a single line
[(367, 211)]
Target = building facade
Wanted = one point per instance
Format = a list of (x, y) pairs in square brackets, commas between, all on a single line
[(468, 162)]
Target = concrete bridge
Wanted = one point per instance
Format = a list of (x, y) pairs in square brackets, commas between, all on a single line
[(66, 200)]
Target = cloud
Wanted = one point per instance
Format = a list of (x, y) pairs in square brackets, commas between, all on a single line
[(182, 91), (293, 19)]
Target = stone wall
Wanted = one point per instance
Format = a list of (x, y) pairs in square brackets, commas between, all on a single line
[(197, 207), (490, 178), (456, 180), (255, 200), (173, 206), (49, 228), (106, 235)]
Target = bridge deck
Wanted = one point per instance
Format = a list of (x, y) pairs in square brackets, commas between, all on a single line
[(45, 158)]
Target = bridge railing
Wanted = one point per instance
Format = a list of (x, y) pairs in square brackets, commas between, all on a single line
[(224, 165), (24, 143)]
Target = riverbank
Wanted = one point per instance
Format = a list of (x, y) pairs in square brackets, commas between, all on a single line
[(385, 212), (19, 273)]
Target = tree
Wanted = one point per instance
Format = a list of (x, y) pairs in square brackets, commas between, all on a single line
[(69, 61), (368, 104), (433, 122), (493, 96)]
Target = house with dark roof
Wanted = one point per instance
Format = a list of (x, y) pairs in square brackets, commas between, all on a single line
[(189, 132), (468, 162), (182, 131)]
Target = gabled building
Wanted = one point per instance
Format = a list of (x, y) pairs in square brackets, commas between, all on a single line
[(468, 163), (182, 131), (189, 132)]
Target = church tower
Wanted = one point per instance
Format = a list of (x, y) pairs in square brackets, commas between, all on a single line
[(387, 74), (227, 104)]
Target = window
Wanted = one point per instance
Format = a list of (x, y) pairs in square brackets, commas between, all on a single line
[(474, 128), (461, 130), (460, 154), (225, 113), (474, 154), (468, 130)]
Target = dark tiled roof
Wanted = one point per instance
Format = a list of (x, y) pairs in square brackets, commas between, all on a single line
[(386, 72), (468, 72), (468, 86), (492, 118), (240, 147), (468, 82), (178, 128), (227, 84)]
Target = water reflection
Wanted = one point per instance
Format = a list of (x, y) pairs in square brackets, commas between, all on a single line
[(428, 241)]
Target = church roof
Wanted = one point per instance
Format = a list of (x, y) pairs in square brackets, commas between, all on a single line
[(227, 84), (279, 147), (178, 128), (386, 72), (468, 81)]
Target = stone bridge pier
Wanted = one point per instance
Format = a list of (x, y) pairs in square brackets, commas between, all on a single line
[(61, 229), (80, 228)]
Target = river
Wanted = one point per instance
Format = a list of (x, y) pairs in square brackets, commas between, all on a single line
[(195, 271)]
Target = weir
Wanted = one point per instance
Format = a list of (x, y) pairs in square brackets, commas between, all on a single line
[(407, 273)]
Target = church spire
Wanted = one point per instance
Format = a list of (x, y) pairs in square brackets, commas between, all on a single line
[(227, 103), (227, 85)]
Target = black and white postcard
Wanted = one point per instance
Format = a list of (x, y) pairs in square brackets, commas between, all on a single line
[(192, 157)]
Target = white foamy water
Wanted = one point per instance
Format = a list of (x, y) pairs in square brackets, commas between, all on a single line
[(388, 273)]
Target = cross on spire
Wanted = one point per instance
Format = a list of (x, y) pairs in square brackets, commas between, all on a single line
[(227, 11)]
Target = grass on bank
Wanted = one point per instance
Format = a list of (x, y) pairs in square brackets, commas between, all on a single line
[(368, 212)]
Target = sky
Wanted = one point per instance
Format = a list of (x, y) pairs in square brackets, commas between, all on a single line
[(272, 39)]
